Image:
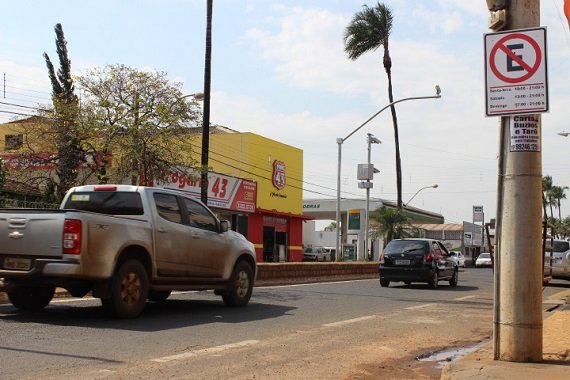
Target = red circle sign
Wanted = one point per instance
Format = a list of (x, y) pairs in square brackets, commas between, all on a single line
[(530, 70)]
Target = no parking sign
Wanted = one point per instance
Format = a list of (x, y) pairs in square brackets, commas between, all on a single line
[(516, 79)]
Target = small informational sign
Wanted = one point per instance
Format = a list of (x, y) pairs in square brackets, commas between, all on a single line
[(467, 238), (525, 133), (516, 79)]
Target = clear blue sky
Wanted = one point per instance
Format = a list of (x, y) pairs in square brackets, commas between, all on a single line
[(279, 70)]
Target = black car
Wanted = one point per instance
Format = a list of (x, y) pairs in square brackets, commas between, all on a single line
[(417, 260)]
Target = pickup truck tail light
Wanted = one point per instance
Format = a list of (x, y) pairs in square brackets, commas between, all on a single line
[(72, 237), (429, 258)]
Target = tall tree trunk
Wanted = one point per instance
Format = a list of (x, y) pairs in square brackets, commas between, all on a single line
[(388, 67)]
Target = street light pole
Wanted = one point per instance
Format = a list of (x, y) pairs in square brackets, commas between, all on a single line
[(423, 188), (370, 140), (341, 140)]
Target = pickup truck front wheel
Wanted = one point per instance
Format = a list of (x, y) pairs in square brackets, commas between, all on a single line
[(31, 298), (241, 285), (129, 290)]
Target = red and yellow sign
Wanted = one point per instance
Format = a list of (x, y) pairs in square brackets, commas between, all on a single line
[(224, 191)]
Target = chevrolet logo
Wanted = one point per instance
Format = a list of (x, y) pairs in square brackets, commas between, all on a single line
[(15, 235)]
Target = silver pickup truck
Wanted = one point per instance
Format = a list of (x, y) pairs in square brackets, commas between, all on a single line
[(124, 244)]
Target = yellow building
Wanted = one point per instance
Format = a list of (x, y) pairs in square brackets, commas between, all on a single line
[(266, 174)]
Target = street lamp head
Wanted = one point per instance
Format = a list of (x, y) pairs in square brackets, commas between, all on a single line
[(373, 140), (437, 90), (563, 133), (435, 186)]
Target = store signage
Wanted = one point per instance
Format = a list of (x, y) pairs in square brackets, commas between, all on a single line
[(225, 192), (279, 178), (354, 220), (478, 215), (467, 238)]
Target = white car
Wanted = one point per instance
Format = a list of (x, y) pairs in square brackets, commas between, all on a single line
[(484, 260), (560, 260), (459, 258)]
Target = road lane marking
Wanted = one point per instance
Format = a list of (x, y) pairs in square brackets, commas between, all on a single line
[(420, 306), (464, 298), (211, 350), (349, 321)]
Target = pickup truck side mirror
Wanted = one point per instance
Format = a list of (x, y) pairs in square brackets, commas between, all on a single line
[(225, 225)]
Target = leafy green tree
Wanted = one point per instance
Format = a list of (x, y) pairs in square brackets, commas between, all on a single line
[(65, 118), (391, 223), (369, 30), (137, 124)]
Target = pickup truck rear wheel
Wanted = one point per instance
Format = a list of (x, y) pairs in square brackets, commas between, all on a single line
[(241, 285), (31, 298), (129, 290)]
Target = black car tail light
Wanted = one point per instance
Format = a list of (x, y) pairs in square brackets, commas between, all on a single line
[(429, 258)]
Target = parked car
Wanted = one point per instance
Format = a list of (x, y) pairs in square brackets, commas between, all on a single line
[(458, 256), (417, 260), (560, 260), (483, 260), (331, 253), (315, 254)]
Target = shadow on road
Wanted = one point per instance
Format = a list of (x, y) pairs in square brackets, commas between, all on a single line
[(172, 314)]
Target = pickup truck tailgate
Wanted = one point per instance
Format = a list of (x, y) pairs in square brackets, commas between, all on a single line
[(30, 232)]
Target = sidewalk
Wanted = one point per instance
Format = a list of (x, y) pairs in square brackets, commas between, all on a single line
[(479, 365)]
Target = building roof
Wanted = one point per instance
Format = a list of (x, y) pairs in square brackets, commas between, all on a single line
[(440, 227)]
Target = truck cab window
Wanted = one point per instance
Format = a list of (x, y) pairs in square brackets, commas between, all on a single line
[(167, 207), (199, 217)]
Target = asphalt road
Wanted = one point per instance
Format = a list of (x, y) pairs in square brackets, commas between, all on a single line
[(343, 330)]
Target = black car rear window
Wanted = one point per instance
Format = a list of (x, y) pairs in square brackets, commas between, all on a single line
[(106, 202), (405, 246), (561, 246)]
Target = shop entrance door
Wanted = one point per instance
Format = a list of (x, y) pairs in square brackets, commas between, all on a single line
[(269, 254), (281, 243)]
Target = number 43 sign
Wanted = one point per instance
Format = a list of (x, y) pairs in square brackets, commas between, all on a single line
[(515, 72)]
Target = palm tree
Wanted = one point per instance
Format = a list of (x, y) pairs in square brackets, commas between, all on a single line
[(546, 195), (390, 222), (368, 30), (558, 193)]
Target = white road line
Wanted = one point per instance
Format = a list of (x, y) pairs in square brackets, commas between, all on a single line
[(349, 321), (211, 350), (419, 306), (464, 298)]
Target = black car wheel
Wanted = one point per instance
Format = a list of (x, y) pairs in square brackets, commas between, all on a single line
[(384, 283), (434, 280), (455, 278), (31, 298)]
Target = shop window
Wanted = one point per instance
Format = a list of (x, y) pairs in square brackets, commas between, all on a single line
[(12, 142)]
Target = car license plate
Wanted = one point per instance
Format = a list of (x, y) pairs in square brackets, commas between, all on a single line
[(17, 263), (402, 262)]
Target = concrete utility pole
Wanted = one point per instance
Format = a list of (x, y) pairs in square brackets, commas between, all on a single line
[(518, 258)]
